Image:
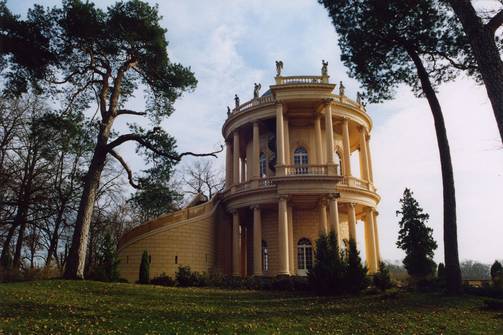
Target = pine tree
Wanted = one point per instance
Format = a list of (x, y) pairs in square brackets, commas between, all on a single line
[(496, 270), (144, 268), (327, 274), (441, 271), (382, 279), (356, 274), (415, 238)]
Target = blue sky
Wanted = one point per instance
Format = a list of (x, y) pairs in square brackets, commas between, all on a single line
[(232, 44)]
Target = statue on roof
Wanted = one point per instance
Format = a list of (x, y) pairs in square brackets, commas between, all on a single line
[(324, 68), (279, 67), (341, 89), (236, 101), (256, 90), (228, 111), (358, 98)]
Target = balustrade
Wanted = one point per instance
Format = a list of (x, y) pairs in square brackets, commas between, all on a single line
[(293, 170)]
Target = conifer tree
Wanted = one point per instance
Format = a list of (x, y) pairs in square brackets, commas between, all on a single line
[(356, 276), (496, 270), (415, 238), (144, 268), (327, 274)]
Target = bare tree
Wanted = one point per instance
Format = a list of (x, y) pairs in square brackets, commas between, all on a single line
[(202, 177)]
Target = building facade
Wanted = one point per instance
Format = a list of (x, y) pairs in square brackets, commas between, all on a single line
[(289, 177)]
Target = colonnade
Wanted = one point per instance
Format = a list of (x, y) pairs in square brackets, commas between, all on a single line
[(236, 162), (286, 245)]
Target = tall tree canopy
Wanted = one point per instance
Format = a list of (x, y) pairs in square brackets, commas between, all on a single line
[(387, 43), (89, 57), (487, 46)]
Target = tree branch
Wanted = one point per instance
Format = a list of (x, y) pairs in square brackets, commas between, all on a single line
[(130, 112), (126, 167), (141, 140), (495, 22)]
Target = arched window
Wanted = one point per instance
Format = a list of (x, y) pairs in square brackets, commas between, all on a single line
[(300, 160), (262, 165), (304, 256), (265, 257), (339, 163)]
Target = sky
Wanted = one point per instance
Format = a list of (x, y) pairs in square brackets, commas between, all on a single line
[(231, 44)]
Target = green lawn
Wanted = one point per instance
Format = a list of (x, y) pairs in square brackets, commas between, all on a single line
[(65, 307)]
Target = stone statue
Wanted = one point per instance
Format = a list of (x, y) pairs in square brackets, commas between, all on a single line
[(324, 68), (341, 89), (279, 67), (228, 111), (236, 101), (256, 90), (358, 98)]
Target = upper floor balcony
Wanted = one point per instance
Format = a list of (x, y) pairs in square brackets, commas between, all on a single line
[(297, 138)]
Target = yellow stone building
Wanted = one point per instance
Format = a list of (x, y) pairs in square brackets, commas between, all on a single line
[(289, 178)]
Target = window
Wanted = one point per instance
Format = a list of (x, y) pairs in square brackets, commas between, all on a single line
[(304, 256), (176, 259), (149, 259), (339, 163), (262, 165), (300, 160), (265, 257)]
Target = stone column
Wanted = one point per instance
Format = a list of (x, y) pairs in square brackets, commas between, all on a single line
[(243, 169), (283, 236), (244, 251), (364, 168), (228, 165), (352, 221), (329, 131), (334, 215), (317, 132), (369, 159), (370, 249), (287, 141), (280, 140), (346, 148), (236, 248), (235, 167), (291, 246), (323, 216), (257, 241), (376, 236), (256, 152)]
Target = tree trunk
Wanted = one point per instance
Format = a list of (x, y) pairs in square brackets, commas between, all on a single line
[(453, 272), (76, 260), (6, 244), (21, 221), (486, 54), (53, 244)]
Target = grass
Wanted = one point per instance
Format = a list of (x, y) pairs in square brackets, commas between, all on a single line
[(68, 307)]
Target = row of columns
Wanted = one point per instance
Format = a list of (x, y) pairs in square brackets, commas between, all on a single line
[(286, 263), (283, 147)]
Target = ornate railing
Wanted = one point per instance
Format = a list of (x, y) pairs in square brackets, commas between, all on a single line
[(358, 183), (344, 99), (294, 170), (301, 80), (255, 102), (265, 182)]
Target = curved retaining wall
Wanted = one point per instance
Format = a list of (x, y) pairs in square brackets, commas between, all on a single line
[(185, 237)]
